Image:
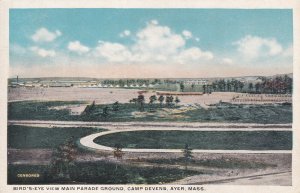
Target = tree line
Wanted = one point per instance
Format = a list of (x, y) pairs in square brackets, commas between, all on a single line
[(265, 85), (123, 82)]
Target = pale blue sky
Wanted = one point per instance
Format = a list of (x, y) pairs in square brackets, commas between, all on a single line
[(198, 41)]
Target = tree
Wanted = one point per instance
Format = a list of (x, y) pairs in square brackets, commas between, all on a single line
[(156, 81), (288, 82), (62, 159), (187, 154), (105, 112), (235, 85), (169, 100), (250, 87), (152, 99), (181, 86), (141, 101), (257, 87), (221, 85), (209, 88), (204, 88), (177, 100), (118, 153), (121, 83), (228, 85), (116, 106), (241, 85), (214, 86), (193, 87), (161, 99)]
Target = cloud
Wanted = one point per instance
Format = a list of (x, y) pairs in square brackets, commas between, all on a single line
[(152, 44), (125, 33), (42, 52), (112, 52), (44, 35), (227, 61), (253, 47), (77, 47), (194, 54), (187, 34), (157, 39)]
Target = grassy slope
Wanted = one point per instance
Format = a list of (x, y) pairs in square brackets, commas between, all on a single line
[(235, 113)]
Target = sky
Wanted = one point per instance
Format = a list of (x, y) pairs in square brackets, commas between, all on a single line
[(150, 43)]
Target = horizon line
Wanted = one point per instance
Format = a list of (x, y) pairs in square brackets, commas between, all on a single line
[(152, 77)]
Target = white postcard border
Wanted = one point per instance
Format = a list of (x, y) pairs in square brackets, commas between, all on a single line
[(239, 4)]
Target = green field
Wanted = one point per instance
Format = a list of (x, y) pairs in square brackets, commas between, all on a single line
[(265, 114), (99, 173), (23, 137), (224, 140)]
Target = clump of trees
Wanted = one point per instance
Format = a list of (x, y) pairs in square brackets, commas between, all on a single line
[(91, 112), (223, 85), (207, 89), (265, 85), (139, 101), (128, 82), (277, 85), (168, 99)]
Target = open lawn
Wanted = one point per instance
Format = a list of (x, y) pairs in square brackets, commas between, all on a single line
[(23, 137), (234, 113), (221, 140)]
